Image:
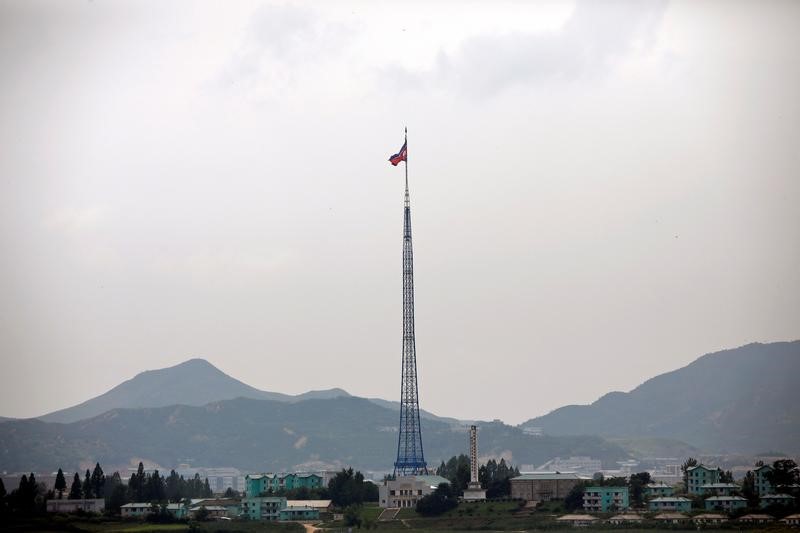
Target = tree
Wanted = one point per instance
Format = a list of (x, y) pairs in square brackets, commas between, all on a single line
[(725, 476), (636, 485), (201, 514), (230, 493), (784, 473), (690, 462), (155, 487), (98, 481), (348, 487), (439, 501), (61, 483), (207, 492), (352, 516), (574, 498), (75, 489), (117, 498), (87, 485), (173, 487), (749, 489)]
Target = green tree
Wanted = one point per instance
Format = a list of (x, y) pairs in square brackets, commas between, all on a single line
[(173, 487), (438, 502), (687, 464), (98, 481), (61, 484), (784, 473), (201, 514), (636, 486), (207, 492), (352, 516), (117, 498), (75, 490), (574, 498), (749, 489), (155, 487), (87, 485), (348, 488)]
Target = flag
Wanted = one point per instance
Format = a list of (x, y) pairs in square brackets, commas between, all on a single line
[(399, 156)]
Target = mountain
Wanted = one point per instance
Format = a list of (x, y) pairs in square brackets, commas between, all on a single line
[(194, 382), (264, 435), (742, 400)]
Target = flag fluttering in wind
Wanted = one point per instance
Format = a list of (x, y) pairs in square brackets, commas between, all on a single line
[(399, 156)]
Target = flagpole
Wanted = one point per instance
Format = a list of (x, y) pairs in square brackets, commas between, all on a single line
[(406, 161)]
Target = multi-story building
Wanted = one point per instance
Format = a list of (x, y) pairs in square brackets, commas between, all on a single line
[(725, 503), (658, 490), (604, 499), (261, 484), (762, 485), (718, 489), (544, 486), (670, 503), (263, 507), (700, 475), (405, 491)]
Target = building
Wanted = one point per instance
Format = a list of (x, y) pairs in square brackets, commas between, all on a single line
[(323, 506), (91, 505), (756, 519), (671, 518), (605, 499), (220, 479), (762, 485), (577, 520), (262, 484), (709, 518), (718, 489), (670, 503), (177, 510), (544, 486), (725, 503), (792, 520), (775, 499), (263, 507), (623, 519), (136, 510), (658, 490), (583, 465), (213, 511), (303, 512), (701, 475), (405, 491)]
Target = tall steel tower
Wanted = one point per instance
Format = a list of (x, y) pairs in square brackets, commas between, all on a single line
[(410, 458)]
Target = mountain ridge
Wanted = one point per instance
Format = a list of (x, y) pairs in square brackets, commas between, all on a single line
[(735, 400)]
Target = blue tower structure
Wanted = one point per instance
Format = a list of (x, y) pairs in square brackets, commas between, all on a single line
[(410, 457)]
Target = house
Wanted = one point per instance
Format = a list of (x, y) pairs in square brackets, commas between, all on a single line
[(700, 475), (756, 519), (762, 485), (670, 503), (718, 489), (604, 499), (214, 511), (671, 518), (725, 503), (656, 490), (136, 510), (709, 518), (177, 510), (792, 520), (622, 519), (90, 505), (322, 506), (577, 520), (544, 486), (405, 491), (775, 499), (303, 512)]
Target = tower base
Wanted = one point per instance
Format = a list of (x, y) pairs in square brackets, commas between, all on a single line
[(474, 493)]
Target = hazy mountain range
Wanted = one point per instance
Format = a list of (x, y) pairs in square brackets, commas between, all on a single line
[(741, 400)]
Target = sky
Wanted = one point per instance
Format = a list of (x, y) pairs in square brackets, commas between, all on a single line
[(601, 192)]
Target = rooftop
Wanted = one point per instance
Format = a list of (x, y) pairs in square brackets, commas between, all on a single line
[(719, 486), (671, 516), (586, 517), (548, 476), (673, 499), (726, 498)]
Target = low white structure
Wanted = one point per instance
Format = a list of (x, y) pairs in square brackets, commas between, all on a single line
[(136, 509), (406, 491), (577, 520), (91, 505)]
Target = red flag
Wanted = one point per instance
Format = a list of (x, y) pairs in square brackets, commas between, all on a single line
[(399, 156)]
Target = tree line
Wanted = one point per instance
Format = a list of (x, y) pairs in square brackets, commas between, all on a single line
[(30, 496), (494, 477)]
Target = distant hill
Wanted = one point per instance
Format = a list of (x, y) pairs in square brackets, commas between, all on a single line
[(265, 435), (741, 400), (193, 382)]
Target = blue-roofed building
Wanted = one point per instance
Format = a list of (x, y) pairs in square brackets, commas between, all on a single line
[(700, 475), (775, 499), (604, 499), (725, 503), (762, 485), (670, 503), (718, 489)]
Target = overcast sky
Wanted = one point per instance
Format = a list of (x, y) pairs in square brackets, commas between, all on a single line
[(601, 192)]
